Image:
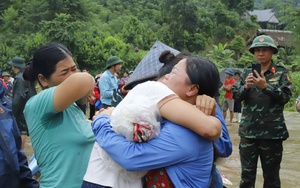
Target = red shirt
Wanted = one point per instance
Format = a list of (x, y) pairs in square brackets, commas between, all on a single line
[(230, 82), (97, 92)]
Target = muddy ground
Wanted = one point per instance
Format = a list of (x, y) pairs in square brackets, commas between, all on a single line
[(290, 167)]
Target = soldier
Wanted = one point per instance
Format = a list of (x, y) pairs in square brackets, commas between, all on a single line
[(262, 128)]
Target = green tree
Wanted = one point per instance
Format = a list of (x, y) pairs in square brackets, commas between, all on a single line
[(240, 5), (133, 33), (183, 20), (60, 29), (221, 56), (246, 59), (237, 44)]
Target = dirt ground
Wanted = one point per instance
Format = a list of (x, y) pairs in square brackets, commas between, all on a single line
[(290, 168)]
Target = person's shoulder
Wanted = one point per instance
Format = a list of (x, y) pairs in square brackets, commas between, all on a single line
[(281, 67), (104, 76), (151, 85), (43, 95), (105, 73)]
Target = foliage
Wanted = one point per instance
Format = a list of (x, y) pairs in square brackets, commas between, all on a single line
[(133, 32), (95, 30), (295, 76), (285, 56), (292, 21), (237, 44), (295, 64), (221, 56), (240, 5), (246, 59)]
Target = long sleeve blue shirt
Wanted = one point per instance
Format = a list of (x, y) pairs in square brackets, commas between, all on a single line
[(186, 156), (107, 83), (223, 144)]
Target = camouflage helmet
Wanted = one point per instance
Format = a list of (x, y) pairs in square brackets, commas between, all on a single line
[(113, 60), (263, 41)]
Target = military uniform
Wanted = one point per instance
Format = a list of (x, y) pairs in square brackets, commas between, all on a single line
[(262, 128)]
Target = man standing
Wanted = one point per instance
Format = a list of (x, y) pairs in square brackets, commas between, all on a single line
[(22, 91), (228, 100), (108, 81), (262, 128)]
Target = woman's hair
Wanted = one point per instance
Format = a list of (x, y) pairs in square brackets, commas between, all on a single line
[(169, 60), (44, 61), (204, 73)]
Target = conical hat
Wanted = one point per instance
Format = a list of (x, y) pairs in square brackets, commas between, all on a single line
[(148, 67)]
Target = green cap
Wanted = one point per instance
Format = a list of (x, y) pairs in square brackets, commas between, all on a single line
[(5, 74), (113, 60), (263, 41), (17, 62)]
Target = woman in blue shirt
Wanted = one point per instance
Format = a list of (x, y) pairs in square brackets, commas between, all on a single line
[(187, 157)]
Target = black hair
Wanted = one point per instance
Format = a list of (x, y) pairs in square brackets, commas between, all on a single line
[(169, 60), (204, 73), (44, 61), (237, 73)]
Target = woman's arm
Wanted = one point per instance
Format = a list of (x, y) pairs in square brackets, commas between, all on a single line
[(75, 87), (165, 150), (185, 114)]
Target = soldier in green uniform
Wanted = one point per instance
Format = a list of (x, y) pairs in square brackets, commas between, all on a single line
[(262, 128)]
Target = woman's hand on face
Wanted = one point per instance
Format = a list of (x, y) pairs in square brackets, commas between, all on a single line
[(107, 111), (206, 104)]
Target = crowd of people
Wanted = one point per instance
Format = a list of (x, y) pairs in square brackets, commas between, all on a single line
[(164, 133)]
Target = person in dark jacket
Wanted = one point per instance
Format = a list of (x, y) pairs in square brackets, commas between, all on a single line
[(22, 91), (14, 171)]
